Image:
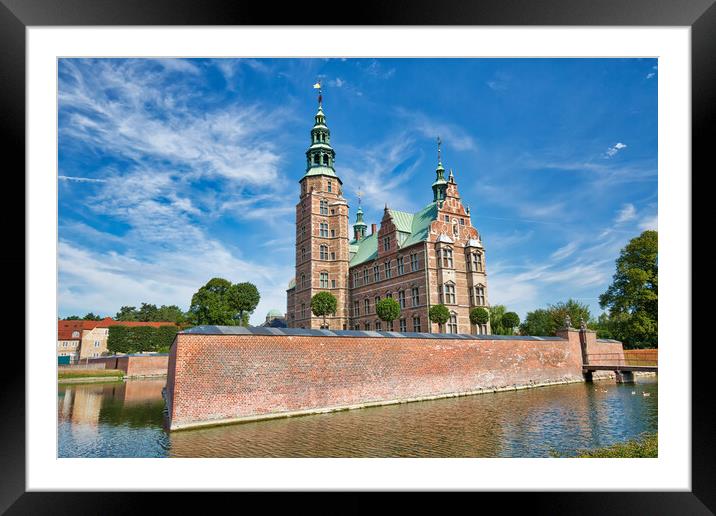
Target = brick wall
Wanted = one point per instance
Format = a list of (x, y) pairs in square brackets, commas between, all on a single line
[(222, 378), (150, 365)]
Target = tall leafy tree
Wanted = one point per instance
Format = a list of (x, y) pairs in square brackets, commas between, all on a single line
[(210, 304), (510, 321), (126, 313), (245, 297), (170, 313), (324, 304), (387, 309), (538, 322), (496, 314), (92, 317), (147, 312), (632, 298), (576, 311), (439, 314)]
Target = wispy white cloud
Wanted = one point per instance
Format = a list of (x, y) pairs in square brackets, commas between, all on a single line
[(626, 213), (80, 179), (614, 149)]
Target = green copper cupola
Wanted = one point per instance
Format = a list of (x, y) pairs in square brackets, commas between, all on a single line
[(360, 227), (440, 184), (320, 156)]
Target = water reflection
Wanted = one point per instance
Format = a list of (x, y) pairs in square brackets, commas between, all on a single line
[(125, 420)]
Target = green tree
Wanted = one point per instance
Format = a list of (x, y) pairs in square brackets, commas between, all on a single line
[(126, 313), (210, 304), (170, 313), (576, 311), (479, 316), (510, 321), (496, 314), (92, 317), (147, 312), (324, 304), (245, 297), (538, 322), (632, 298), (387, 309), (72, 318), (439, 314)]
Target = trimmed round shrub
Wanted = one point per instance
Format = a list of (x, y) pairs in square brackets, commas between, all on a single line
[(387, 309), (479, 316)]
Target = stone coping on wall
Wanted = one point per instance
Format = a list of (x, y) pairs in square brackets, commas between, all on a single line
[(301, 332)]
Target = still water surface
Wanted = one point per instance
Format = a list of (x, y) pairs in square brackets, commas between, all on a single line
[(125, 419)]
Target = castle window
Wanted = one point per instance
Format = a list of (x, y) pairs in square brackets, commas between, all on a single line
[(480, 295), (455, 230), (303, 231), (414, 262), (333, 283), (481, 329), (303, 310), (330, 186), (416, 296), (462, 222), (452, 324), (315, 159), (377, 300), (386, 267), (303, 253), (333, 211), (323, 229), (389, 325), (449, 289), (376, 273), (324, 252), (365, 276), (378, 326), (355, 280), (389, 295), (324, 280), (386, 243), (333, 232), (403, 326), (333, 256), (416, 324), (401, 298), (356, 308), (367, 326), (325, 159), (401, 267), (303, 281), (324, 207), (446, 218), (366, 305), (447, 258)]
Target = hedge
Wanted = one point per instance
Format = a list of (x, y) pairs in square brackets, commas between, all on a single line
[(135, 339)]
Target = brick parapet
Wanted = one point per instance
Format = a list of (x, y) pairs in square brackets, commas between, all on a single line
[(215, 379)]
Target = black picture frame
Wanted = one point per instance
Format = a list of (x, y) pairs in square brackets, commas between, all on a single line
[(17, 15)]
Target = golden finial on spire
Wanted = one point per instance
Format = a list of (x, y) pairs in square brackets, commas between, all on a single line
[(360, 194)]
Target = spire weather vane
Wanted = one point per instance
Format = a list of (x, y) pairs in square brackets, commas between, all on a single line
[(317, 86), (439, 143), (360, 194)]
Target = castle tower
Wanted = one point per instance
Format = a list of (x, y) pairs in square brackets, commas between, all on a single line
[(322, 233), (359, 228), (440, 185)]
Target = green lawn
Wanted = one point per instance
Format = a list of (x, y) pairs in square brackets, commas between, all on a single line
[(645, 446), (89, 373)]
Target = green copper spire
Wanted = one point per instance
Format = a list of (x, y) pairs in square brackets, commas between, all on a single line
[(440, 185), (320, 156), (359, 228)]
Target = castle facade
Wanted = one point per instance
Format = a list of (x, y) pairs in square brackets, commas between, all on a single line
[(434, 256)]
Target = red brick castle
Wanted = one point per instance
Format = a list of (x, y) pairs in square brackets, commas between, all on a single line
[(420, 259)]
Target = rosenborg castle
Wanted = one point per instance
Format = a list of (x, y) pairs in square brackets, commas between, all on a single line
[(419, 259)]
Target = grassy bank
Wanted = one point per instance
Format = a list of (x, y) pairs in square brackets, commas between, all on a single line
[(64, 374), (644, 446)]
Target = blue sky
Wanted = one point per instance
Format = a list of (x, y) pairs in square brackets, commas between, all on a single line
[(174, 171)]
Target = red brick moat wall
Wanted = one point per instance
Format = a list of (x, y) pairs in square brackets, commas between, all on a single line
[(215, 379), (134, 365)]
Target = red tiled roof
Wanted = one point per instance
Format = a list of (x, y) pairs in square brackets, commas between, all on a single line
[(65, 328)]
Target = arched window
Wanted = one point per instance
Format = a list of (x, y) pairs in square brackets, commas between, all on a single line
[(303, 281)]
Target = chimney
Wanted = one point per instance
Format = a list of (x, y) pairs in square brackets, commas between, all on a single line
[(373, 229)]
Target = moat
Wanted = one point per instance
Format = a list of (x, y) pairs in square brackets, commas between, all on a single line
[(126, 419)]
